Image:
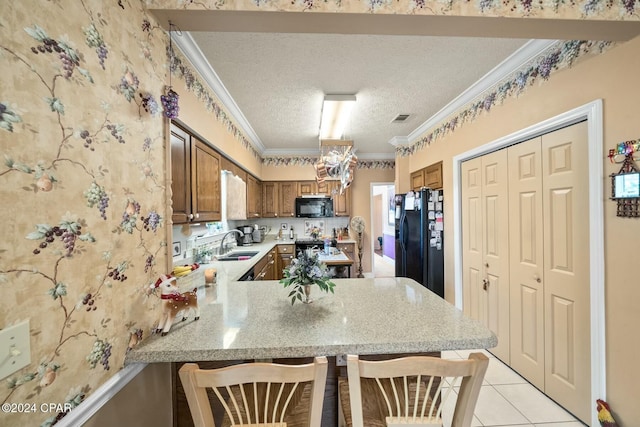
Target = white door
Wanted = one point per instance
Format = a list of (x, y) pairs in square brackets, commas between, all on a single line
[(485, 239), (566, 273), (495, 236), (472, 236), (526, 268)]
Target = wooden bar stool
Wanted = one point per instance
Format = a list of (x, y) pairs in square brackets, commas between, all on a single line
[(258, 394), (410, 391)]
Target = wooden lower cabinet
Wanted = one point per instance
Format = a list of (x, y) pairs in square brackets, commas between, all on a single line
[(265, 269), (285, 255)]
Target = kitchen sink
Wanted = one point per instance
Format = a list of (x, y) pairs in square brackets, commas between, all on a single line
[(237, 256)]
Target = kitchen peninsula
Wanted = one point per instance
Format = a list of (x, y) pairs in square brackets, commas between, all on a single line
[(255, 320)]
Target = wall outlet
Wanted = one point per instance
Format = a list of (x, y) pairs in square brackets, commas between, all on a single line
[(15, 348), (177, 248), (341, 360)]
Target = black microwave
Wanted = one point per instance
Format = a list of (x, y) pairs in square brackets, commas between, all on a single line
[(314, 207)]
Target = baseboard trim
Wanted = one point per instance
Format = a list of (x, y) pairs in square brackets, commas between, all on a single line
[(96, 400)]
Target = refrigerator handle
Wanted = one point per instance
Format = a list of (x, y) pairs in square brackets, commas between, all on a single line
[(404, 232)]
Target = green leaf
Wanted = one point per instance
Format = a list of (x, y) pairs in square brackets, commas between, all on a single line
[(56, 105), (36, 32), (85, 73)]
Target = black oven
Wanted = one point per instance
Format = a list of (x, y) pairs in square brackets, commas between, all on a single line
[(314, 207)]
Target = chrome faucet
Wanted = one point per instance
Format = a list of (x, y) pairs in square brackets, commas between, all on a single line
[(221, 251)]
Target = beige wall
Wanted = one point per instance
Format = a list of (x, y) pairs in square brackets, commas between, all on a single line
[(613, 78), (288, 173), (146, 401)]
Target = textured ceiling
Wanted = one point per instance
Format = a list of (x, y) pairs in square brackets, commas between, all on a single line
[(278, 81)]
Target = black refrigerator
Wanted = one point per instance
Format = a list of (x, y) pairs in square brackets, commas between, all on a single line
[(420, 238)]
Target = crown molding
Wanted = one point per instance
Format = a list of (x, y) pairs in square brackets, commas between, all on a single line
[(514, 62), (194, 55)]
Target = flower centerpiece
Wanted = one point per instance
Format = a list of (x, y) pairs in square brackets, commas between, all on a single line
[(304, 271)]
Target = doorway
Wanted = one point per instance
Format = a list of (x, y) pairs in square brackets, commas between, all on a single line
[(382, 229)]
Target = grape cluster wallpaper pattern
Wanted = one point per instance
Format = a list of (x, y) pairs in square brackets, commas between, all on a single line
[(82, 191)]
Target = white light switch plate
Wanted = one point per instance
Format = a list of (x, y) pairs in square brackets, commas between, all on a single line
[(15, 348)]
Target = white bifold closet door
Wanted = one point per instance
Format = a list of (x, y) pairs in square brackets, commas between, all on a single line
[(535, 195)]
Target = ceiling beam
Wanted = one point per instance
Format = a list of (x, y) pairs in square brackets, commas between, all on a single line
[(383, 24)]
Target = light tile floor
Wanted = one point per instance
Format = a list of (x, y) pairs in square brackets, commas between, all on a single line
[(507, 400)]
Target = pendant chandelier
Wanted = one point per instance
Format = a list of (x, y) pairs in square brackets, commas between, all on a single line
[(337, 157), (337, 160)]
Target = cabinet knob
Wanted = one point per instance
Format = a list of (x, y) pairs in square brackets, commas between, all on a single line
[(197, 215), (485, 284), (537, 278), (190, 216), (486, 264)]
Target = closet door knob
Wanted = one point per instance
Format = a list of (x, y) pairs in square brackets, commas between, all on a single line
[(537, 278)]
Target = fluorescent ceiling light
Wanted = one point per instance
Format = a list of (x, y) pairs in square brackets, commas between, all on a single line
[(336, 110)]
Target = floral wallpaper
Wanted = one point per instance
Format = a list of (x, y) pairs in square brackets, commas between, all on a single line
[(312, 160), (82, 192), (82, 180), (578, 9)]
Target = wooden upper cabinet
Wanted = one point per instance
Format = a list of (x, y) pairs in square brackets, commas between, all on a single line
[(205, 180), (310, 188), (180, 174), (430, 177), (417, 180), (433, 176), (269, 199), (195, 179), (307, 188), (254, 197), (287, 198), (341, 202)]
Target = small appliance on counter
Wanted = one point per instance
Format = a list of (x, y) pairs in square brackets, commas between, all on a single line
[(247, 239), (258, 233)]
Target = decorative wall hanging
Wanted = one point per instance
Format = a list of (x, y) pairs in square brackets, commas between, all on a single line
[(170, 99), (625, 185)]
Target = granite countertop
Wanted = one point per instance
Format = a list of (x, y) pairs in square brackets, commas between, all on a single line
[(232, 270), (255, 320)]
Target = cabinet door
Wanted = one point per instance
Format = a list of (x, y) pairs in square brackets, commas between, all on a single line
[(285, 255), (433, 176), (205, 191), (254, 197), (417, 180), (341, 201), (269, 199), (287, 198), (307, 188), (180, 175), (323, 188)]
